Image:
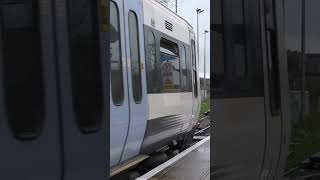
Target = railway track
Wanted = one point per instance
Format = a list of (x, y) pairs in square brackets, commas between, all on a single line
[(204, 127), (204, 131)]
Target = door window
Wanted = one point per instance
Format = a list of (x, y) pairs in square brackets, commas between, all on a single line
[(22, 66), (85, 64), (115, 56), (135, 57)]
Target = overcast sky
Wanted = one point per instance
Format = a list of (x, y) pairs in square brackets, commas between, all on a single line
[(187, 9)]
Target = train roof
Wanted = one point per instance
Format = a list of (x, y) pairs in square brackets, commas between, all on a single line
[(166, 21)]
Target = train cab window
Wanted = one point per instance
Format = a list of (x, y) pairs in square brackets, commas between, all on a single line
[(135, 57), (85, 64), (184, 69), (152, 63), (170, 63), (194, 60), (115, 57), (22, 67), (237, 70)]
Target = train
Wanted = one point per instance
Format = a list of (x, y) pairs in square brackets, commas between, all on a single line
[(265, 93), (154, 79)]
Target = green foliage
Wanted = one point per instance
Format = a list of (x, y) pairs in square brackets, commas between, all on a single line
[(305, 139), (205, 106)]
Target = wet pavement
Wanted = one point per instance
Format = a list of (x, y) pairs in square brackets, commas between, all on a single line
[(195, 166)]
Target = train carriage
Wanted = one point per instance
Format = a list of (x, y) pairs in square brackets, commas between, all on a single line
[(154, 79)]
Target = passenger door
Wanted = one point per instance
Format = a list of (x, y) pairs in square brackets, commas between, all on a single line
[(29, 116), (128, 81), (83, 77), (119, 101), (133, 20), (249, 89), (276, 89), (53, 101)]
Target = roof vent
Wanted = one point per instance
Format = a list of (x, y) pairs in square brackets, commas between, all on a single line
[(169, 26)]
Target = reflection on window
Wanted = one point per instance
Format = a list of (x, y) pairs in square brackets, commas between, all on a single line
[(22, 66), (115, 56), (304, 87), (135, 57), (183, 69), (293, 20), (237, 66), (218, 59), (238, 36), (152, 64), (195, 76), (170, 63), (189, 68), (85, 64), (217, 43)]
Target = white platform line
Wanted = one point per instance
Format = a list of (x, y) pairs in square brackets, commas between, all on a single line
[(199, 137), (173, 160)]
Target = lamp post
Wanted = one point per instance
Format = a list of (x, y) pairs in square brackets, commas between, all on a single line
[(303, 51), (177, 6), (204, 63), (198, 12)]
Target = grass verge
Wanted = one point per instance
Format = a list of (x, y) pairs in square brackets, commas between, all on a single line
[(305, 140), (205, 106)]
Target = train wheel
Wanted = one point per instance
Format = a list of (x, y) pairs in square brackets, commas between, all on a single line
[(155, 160)]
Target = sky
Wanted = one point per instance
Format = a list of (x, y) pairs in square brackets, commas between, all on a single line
[(187, 9)]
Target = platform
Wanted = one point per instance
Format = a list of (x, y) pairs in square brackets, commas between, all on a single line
[(191, 164)]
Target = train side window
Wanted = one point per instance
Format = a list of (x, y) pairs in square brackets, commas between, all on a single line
[(152, 63), (218, 46), (303, 55), (312, 54), (116, 57), (238, 40), (170, 64), (85, 64), (184, 70), (22, 67), (189, 68), (194, 60), (135, 57), (293, 10)]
